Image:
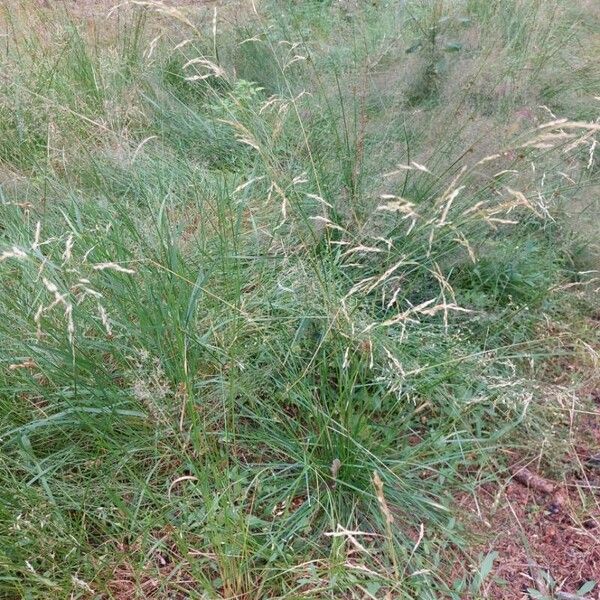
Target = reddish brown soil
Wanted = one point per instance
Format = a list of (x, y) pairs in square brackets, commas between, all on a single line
[(534, 532)]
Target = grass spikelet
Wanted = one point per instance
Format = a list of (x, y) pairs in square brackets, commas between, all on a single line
[(383, 505), (112, 267), (213, 69), (14, 252)]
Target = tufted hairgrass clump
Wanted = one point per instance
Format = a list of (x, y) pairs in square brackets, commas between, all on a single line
[(277, 285)]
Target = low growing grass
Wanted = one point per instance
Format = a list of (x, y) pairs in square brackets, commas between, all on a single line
[(276, 287)]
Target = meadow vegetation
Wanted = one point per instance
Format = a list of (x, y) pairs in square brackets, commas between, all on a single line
[(282, 280)]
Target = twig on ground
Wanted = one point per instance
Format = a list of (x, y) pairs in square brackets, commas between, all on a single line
[(531, 480)]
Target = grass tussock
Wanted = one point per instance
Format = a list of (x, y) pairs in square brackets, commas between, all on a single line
[(279, 282)]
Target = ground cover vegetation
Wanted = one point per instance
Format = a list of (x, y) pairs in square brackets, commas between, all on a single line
[(284, 283)]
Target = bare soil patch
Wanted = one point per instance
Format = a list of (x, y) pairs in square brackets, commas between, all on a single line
[(555, 533)]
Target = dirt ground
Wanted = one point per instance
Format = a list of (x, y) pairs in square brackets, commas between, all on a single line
[(549, 542)]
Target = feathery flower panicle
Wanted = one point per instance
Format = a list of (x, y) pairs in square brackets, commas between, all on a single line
[(113, 267), (14, 252)]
